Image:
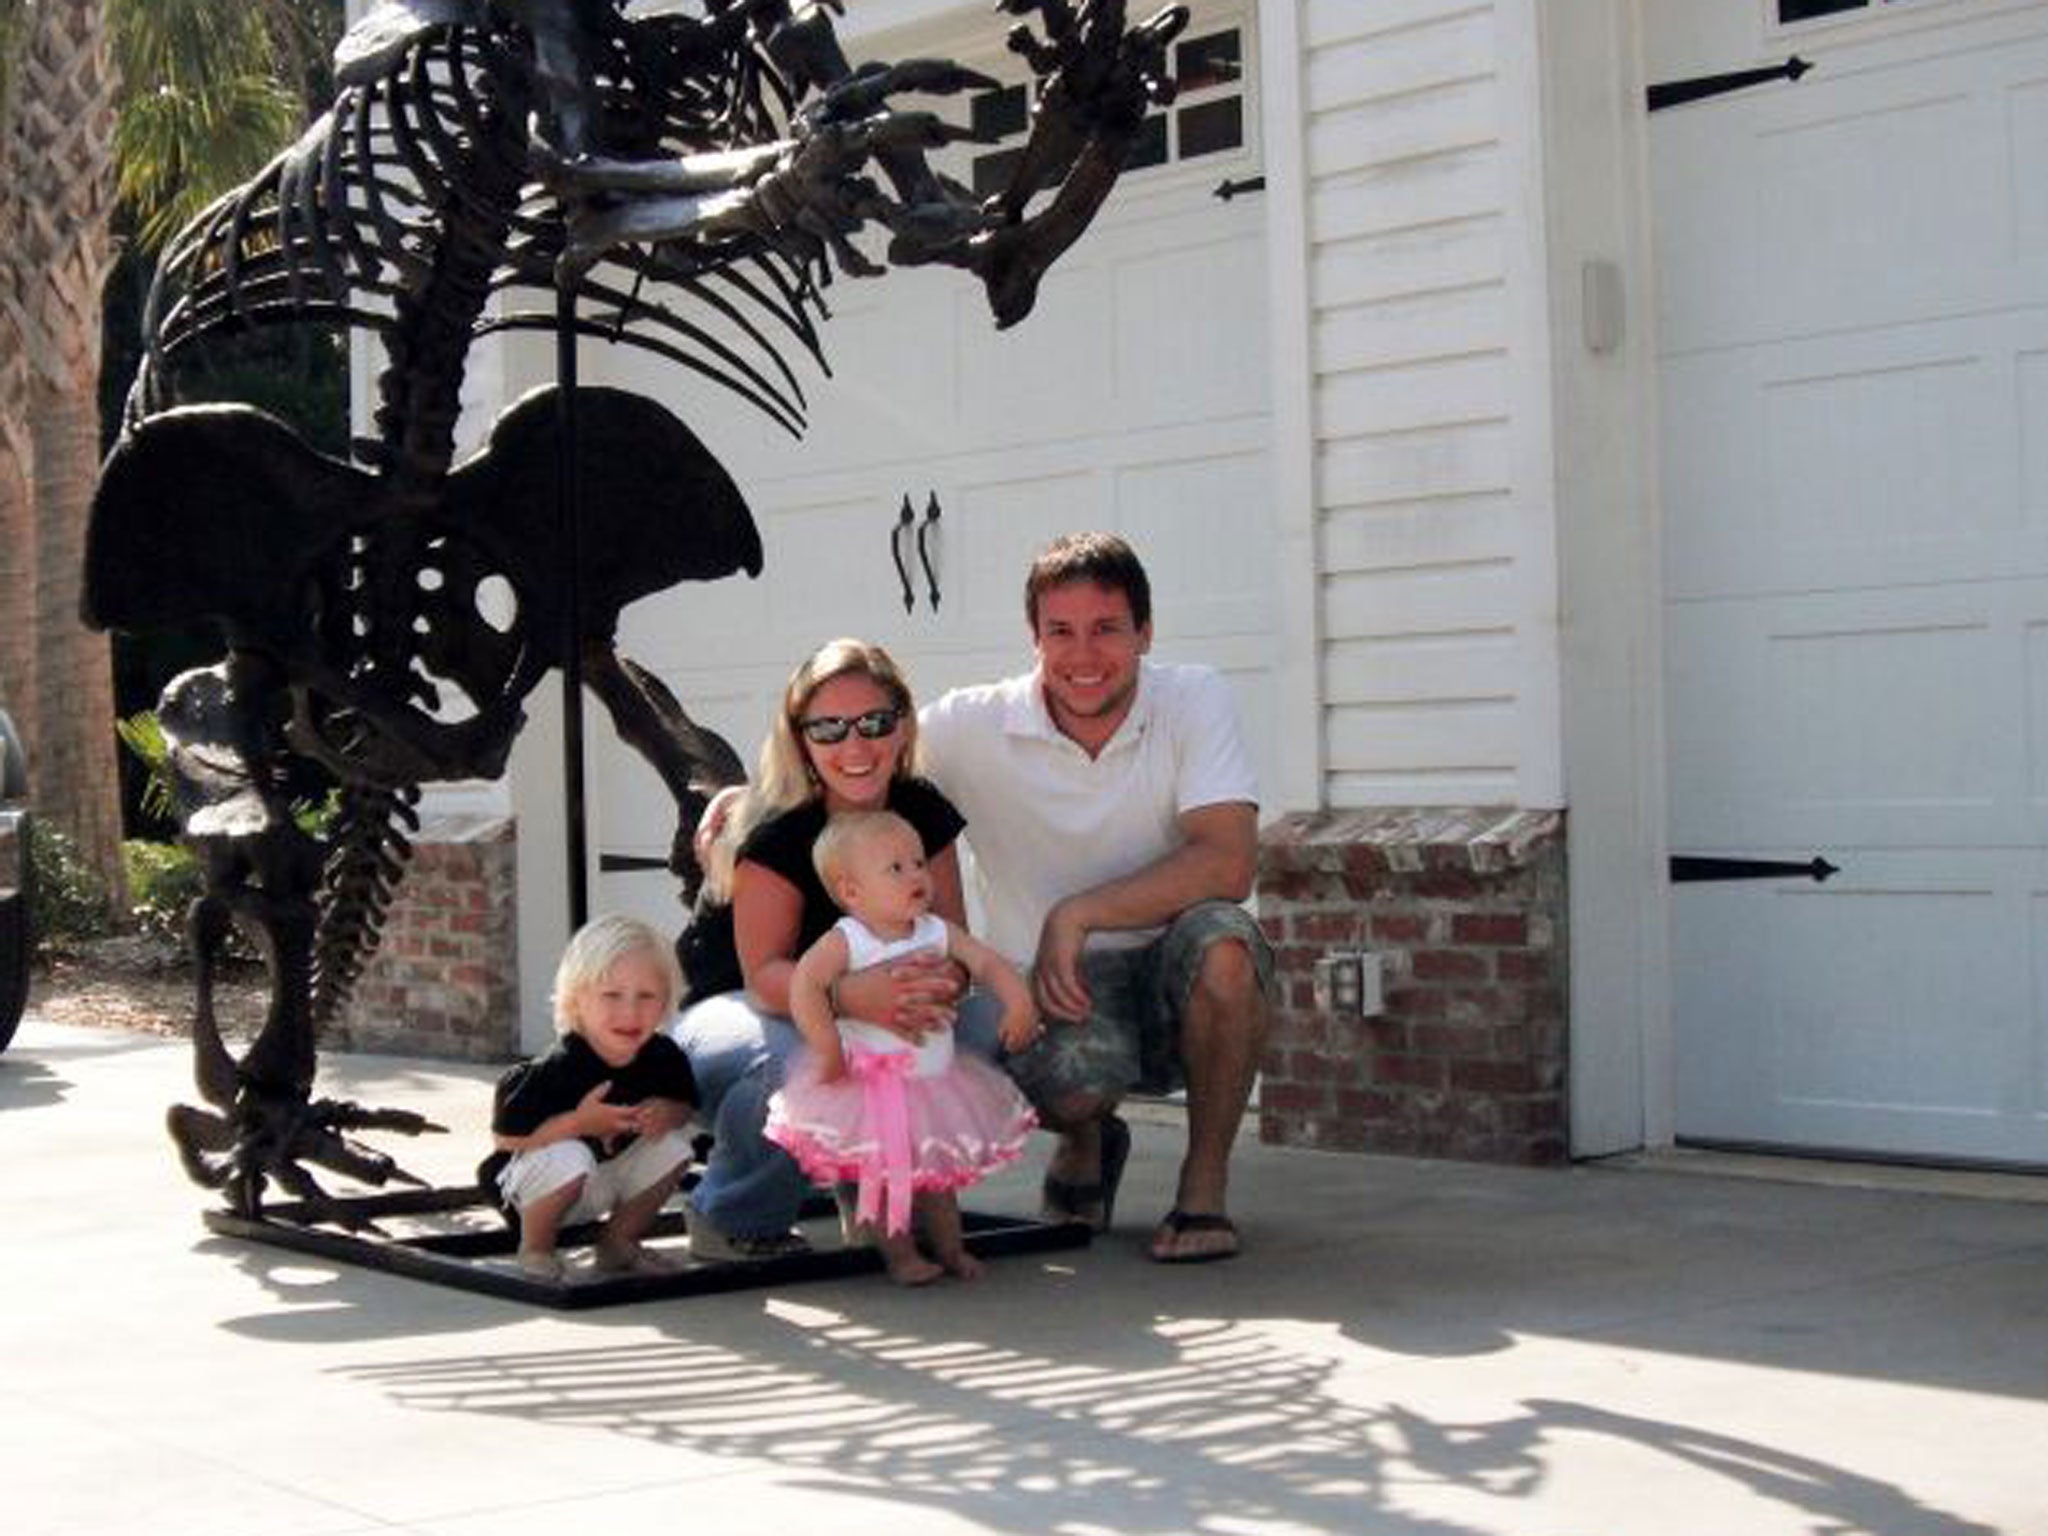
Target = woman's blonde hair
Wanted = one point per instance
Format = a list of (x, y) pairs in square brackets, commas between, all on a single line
[(601, 944), (783, 779)]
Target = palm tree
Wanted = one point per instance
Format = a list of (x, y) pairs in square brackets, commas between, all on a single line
[(203, 109), (17, 528), (56, 247)]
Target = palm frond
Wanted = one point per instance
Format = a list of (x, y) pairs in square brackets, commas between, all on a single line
[(206, 98), (179, 150), (142, 734)]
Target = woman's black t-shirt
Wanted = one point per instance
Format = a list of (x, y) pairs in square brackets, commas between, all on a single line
[(708, 951)]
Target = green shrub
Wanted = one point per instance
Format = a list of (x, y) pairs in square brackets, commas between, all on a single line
[(315, 818), (163, 881), (71, 902)]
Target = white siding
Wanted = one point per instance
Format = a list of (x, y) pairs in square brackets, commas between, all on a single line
[(1435, 635)]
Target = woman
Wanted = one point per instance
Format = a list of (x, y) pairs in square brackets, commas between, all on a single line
[(845, 739)]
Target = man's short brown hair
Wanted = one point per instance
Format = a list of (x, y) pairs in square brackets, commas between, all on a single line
[(1101, 558)]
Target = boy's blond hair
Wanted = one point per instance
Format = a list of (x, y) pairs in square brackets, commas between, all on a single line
[(601, 944), (834, 847)]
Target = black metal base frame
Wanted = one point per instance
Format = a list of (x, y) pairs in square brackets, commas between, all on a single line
[(481, 1255)]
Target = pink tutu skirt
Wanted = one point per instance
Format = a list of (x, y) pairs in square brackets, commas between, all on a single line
[(894, 1133)]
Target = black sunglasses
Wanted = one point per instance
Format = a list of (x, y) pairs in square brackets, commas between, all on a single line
[(828, 730)]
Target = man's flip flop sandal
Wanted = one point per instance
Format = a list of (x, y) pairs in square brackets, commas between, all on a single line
[(1068, 1202), (1178, 1221)]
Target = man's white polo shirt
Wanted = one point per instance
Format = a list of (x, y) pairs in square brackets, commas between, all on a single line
[(1045, 820)]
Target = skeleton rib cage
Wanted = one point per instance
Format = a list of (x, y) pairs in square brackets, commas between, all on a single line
[(355, 217)]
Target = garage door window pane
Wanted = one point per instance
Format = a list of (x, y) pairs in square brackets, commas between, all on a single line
[(1806, 10), (992, 172), (1212, 127), (1149, 148), (998, 114), (1203, 62)]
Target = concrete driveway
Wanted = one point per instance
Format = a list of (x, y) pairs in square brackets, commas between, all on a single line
[(1407, 1348)]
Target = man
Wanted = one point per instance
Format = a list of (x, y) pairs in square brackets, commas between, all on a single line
[(1112, 811)]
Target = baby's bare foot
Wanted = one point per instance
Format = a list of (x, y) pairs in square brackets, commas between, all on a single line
[(960, 1262), (907, 1266)]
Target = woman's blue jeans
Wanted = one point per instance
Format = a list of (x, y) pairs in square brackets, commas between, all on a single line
[(751, 1187)]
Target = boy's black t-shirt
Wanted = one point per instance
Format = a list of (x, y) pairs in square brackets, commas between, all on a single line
[(707, 949), (535, 1091)]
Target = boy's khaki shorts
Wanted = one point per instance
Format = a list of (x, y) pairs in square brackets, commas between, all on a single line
[(534, 1175)]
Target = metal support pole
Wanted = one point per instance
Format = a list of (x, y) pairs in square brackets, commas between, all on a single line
[(572, 605)]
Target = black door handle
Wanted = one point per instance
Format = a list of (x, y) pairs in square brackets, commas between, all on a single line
[(904, 520), (619, 863), (929, 525), (1687, 868), (1676, 93)]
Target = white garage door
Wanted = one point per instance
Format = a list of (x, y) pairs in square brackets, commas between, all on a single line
[(1134, 398), (1853, 322)]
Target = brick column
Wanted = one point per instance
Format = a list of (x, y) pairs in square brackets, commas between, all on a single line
[(445, 981), (1466, 910)]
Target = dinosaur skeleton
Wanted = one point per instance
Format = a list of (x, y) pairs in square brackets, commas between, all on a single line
[(693, 180)]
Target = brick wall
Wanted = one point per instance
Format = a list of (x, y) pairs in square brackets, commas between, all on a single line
[(445, 982), (1466, 910)]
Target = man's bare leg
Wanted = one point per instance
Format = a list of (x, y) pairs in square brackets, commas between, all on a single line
[(1077, 1120), (1223, 1036)]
